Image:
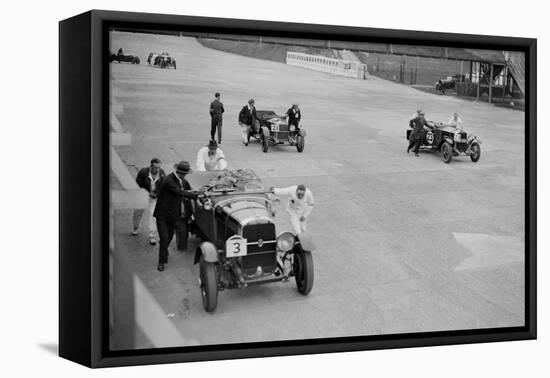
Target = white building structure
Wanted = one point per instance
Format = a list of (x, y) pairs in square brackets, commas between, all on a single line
[(333, 66)]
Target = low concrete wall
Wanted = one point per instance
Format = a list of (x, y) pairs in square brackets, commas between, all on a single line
[(333, 66)]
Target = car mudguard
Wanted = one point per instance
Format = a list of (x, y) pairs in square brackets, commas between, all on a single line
[(303, 132), (265, 131), (306, 241), (449, 140), (474, 139), (208, 250)]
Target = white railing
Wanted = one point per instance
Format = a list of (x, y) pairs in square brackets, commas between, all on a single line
[(333, 66)]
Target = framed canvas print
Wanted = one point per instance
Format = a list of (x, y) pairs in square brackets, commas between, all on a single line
[(234, 188)]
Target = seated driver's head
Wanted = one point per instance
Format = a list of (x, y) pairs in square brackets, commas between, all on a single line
[(301, 191)]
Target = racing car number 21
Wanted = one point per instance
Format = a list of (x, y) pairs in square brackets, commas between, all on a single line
[(235, 246)]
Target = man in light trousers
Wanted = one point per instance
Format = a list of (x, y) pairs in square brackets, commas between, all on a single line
[(149, 178), (299, 206)]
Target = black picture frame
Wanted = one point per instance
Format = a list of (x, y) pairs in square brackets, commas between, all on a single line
[(84, 192)]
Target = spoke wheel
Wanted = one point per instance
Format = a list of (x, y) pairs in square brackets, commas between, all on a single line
[(446, 152), (476, 152)]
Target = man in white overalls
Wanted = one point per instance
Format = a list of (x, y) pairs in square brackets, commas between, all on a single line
[(299, 206)]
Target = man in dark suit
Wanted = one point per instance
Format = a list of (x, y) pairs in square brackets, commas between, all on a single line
[(216, 111), (247, 117), (173, 209), (294, 115), (417, 125), (149, 178)]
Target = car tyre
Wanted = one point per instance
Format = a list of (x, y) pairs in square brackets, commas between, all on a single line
[(303, 271), (300, 143), (208, 285), (476, 152), (446, 152)]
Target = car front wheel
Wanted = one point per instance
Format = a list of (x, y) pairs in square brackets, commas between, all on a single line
[(300, 143), (446, 152), (476, 152), (303, 271), (208, 285)]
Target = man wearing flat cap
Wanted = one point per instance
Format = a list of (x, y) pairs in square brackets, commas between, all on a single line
[(247, 117), (173, 210), (211, 158), (294, 115), (417, 124)]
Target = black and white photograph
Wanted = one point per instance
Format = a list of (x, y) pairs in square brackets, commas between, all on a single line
[(276, 189)]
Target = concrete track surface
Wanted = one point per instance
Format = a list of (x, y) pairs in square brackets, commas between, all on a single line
[(405, 244)]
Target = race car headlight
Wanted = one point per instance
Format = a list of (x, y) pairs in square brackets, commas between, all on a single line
[(285, 241), (292, 128)]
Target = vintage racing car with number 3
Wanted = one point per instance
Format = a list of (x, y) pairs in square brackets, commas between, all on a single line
[(233, 218), (273, 129), (449, 141)]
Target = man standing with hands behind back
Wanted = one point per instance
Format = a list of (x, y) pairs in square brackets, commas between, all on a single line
[(216, 111), (173, 209)]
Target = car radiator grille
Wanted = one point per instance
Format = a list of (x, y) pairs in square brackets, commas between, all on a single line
[(264, 256)]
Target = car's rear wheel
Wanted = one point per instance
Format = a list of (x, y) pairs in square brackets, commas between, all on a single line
[(446, 152), (476, 152), (265, 144), (300, 143), (208, 285), (303, 271)]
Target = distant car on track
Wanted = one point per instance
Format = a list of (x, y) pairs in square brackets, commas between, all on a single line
[(133, 59), (239, 247), (448, 83), (273, 129), (449, 141), (163, 60)]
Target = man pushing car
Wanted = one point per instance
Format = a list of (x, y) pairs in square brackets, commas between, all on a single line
[(299, 206)]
